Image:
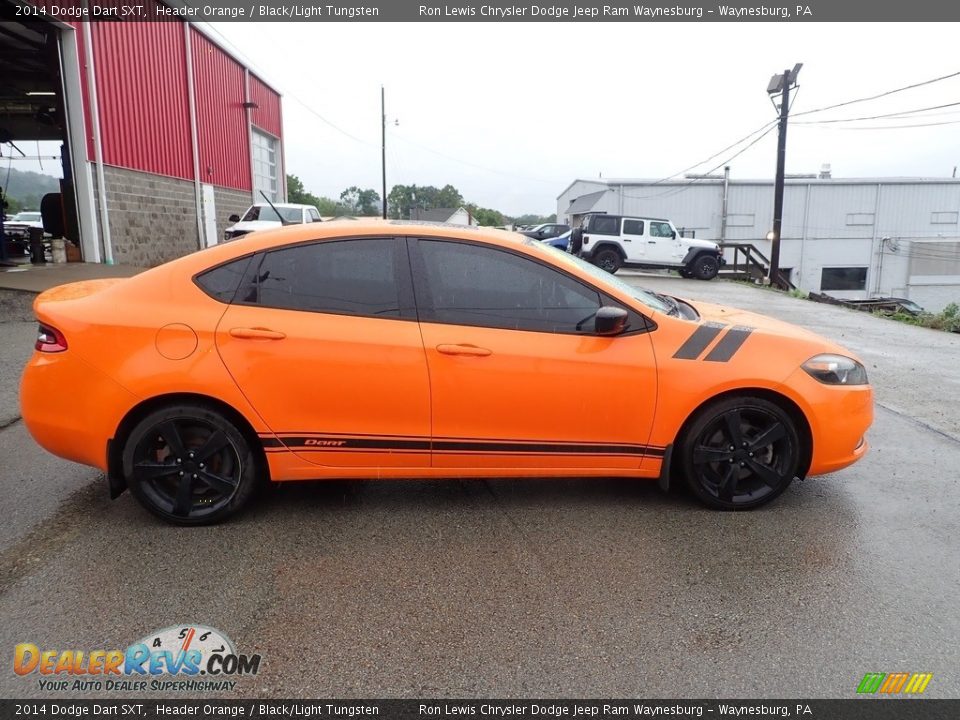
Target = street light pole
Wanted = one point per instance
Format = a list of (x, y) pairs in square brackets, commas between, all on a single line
[(783, 84), (383, 149)]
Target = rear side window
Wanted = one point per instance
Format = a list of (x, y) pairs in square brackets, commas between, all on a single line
[(633, 227), (482, 286), (604, 225), (343, 277), (221, 282)]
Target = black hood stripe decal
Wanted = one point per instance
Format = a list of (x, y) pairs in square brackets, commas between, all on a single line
[(699, 341), (729, 344)]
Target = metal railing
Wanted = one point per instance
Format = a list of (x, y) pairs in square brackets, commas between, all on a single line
[(751, 264)]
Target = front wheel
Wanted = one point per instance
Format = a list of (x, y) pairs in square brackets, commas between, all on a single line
[(705, 267), (189, 465), (608, 259), (740, 453)]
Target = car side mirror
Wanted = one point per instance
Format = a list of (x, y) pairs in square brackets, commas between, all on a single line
[(234, 218), (610, 321), (673, 234)]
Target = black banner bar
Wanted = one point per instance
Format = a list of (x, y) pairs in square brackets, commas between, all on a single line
[(872, 708), (495, 11)]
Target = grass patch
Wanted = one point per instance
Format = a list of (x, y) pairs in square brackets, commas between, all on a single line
[(947, 319)]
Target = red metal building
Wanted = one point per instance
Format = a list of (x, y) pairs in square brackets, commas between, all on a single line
[(165, 132)]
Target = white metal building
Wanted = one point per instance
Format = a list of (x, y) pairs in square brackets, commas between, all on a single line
[(851, 238)]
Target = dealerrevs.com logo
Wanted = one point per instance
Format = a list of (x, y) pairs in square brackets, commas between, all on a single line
[(180, 658)]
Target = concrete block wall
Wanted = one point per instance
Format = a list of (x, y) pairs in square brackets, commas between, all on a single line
[(227, 203), (153, 218)]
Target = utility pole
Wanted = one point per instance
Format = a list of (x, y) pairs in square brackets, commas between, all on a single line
[(781, 84), (383, 149)]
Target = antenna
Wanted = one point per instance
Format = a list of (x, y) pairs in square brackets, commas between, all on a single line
[(273, 207)]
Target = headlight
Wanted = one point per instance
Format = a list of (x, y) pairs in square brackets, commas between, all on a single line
[(836, 370)]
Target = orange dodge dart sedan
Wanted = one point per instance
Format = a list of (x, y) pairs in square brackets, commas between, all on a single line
[(360, 349)]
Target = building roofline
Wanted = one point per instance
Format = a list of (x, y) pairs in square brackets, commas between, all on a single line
[(905, 180), (587, 180), (210, 34)]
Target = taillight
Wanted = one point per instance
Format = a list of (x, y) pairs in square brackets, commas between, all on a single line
[(50, 340)]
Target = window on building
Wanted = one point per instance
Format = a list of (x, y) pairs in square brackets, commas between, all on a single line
[(944, 218), (859, 218), (843, 278), (349, 277), (740, 220), (472, 285), (265, 166)]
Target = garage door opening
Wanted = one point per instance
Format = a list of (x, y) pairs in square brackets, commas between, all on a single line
[(36, 171)]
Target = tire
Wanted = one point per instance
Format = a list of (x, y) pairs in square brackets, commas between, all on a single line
[(608, 259), (764, 461), (189, 464), (705, 267), (684, 273)]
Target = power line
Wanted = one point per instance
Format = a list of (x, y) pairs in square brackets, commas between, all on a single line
[(471, 164), (877, 117), (880, 95), (687, 185), (287, 92), (885, 127)]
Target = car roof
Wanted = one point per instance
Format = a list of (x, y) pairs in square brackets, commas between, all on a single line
[(352, 227), (283, 205)]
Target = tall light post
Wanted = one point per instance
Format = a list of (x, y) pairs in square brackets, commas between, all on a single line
[(780, 84), (383, 148)]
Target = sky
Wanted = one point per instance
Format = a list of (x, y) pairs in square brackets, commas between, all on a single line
[(511, 113)]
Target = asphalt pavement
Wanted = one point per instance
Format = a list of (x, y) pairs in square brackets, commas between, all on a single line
[(526, 588)]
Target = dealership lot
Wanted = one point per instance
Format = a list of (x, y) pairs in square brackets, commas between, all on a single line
[(529, 588)]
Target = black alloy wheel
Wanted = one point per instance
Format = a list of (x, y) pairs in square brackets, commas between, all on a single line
[(705, 267), (608, 259), (189, 465), (740, 453)]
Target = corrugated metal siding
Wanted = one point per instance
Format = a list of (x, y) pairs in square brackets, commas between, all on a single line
[(221, 119), (142, 92), (266, 115)]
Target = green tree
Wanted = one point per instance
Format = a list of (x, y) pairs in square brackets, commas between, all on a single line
[(297, 193), (404, 198), (531, 219), (486, 216), (357, 201)]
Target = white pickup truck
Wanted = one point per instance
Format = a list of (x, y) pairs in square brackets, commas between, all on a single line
[(262, 217), (614, 241)]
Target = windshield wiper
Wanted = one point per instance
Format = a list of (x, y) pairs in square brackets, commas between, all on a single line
[(670, 302)]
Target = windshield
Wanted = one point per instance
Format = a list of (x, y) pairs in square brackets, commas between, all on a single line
[(27, 217), (654, 301), (266, 213)]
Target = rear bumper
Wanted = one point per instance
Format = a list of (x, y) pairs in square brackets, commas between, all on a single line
[(70, 408)]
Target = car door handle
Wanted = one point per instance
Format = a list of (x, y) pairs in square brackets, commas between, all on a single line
[(469, 350), (256, 334), (651, 242)]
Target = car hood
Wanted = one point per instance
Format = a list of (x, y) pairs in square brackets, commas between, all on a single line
[(796, 335), (254, 225)]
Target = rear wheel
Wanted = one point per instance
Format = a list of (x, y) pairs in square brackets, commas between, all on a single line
[(740, 453), (189, 465), (608, 259), (705, 267)]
